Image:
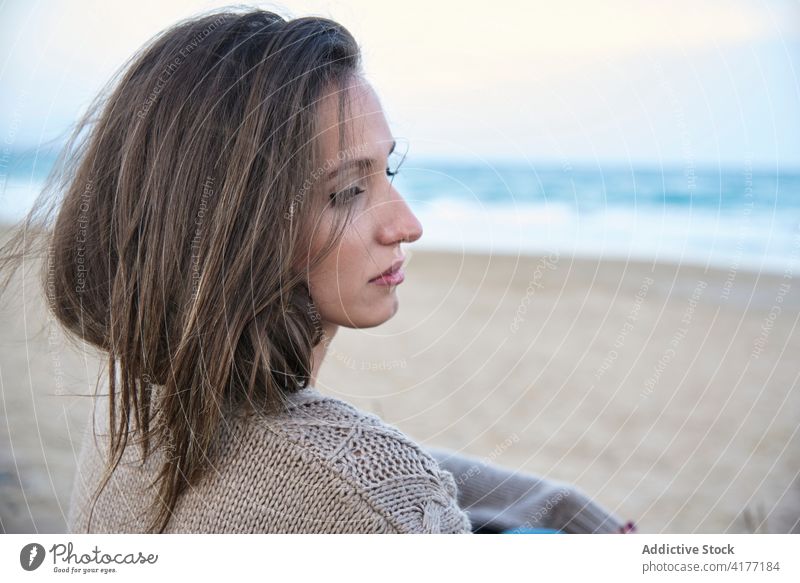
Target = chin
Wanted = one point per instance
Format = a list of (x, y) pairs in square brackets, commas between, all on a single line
[(375, 315)]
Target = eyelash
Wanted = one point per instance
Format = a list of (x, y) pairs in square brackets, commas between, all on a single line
[(346, 195), (355, 191)]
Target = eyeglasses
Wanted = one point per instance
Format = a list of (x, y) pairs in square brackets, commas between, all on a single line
[(397, 157)]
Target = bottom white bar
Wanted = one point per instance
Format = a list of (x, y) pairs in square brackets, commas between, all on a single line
[(398, 558)]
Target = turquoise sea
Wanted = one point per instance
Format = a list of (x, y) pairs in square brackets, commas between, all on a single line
[(726, 217), (720, 217)]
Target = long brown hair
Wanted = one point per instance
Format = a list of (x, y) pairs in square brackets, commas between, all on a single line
[(172, 223)]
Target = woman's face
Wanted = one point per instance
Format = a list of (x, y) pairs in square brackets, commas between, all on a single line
[(347, 287)]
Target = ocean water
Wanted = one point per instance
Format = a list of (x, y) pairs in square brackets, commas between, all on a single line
[(724, 217), (719, 217)]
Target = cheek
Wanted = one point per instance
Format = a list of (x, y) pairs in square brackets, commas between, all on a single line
[(351, 258), (341, 277)]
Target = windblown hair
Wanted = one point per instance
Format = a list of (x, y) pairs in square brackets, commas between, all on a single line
[(182, 208)]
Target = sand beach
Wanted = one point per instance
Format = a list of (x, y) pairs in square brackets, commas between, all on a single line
[(669, 393)]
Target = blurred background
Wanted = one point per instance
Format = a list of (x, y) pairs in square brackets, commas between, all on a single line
[(605, 292)]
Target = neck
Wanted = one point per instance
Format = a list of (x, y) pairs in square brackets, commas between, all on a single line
[(318, 354)]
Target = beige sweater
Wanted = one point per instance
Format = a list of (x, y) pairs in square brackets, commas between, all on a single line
[(326, 467)]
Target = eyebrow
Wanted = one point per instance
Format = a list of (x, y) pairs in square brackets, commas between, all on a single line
[(364, 164)]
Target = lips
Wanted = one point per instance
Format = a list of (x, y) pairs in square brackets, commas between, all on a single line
[(389, 273)]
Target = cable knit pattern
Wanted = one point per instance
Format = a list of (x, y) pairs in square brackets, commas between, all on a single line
[(321, 467)]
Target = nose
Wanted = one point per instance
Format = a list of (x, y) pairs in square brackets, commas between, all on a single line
[(398, 223)]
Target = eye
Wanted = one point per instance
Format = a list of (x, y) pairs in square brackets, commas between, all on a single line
[(346, 195)]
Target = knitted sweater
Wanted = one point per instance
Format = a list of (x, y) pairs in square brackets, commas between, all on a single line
[(323, 466)]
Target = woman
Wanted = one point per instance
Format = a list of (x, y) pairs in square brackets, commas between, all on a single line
[(227, 206)]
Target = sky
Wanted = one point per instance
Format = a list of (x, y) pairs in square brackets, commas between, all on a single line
[(572, 83)]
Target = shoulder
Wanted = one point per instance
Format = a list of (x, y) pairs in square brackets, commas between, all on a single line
[(322, 467), (395, 475)]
